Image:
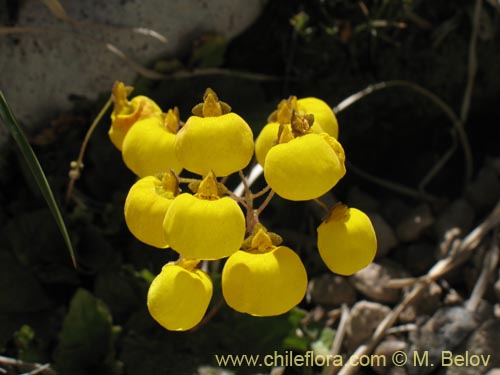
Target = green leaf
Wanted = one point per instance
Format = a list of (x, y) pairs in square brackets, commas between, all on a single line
[(323, 345), (86, 342), (7, 117)]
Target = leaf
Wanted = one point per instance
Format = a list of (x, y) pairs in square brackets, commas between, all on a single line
[(323, 345), (86, 342), (7, 117)]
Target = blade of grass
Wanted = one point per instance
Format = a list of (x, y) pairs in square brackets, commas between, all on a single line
[(7, 117)]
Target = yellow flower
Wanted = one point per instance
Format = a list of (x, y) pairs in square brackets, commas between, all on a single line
[(214, 139), (126, 113), (266, 280), (283, 115), (148, 147), (323, 114), (179, 296), (146, 206), (204, 226), (304, 167), (346, 240)]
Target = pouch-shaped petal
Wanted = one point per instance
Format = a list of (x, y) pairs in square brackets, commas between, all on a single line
[(145, 208), (306, 167), (222, 144), (323, 114), (204, 229), (346, 240), (148, 148), (179, 297), (266, 139), (264, 284), (127, 114)]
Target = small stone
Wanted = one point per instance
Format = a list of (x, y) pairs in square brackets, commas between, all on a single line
[(444, 331), (386, 238), (425, 304), (416, 257), (385, 350), (493, 371), (484, 192), (497, 311), (364, 318), (481, 348), (361, 200), (459, 214), (331, 290), (371, 281), (410, 228)]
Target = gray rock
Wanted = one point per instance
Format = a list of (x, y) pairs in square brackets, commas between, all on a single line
[(331, 290), (364, 318), (460, 214), (493, 371), (497, 289), (444, 331), (481, 351), (371, 281), (419, 219), (484, 191), (386, 239), (425, 304), (361, 200), (40, 70), (417, 257)]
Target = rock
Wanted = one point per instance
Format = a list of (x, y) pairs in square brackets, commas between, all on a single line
[(364, 318), (482, 348), (484, 191), (386, 239), (371, 281), (411, 226), (41, 70), (425, 304), (444, 331), (459, 214), (416, 257), (331, 290), (386, 349), (361, 200), (493, 371)]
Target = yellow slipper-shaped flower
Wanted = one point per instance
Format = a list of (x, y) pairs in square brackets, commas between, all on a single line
[(346, 240), (266, 280), (323, 114), (214, 139), (179, 296), (146, 206), (268, 136), (304, 167), (204, 226), (148, 147), (126, 113)]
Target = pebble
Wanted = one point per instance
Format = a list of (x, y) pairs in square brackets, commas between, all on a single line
[(371, 281), (416, 257), (484, 191), (411, 226), (444, 331), (364, 318), (386, 238), (460, 214), (482, 343), (425, 304), (331, 290)]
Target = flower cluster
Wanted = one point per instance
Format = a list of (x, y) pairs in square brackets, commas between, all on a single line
[(302, 160)]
